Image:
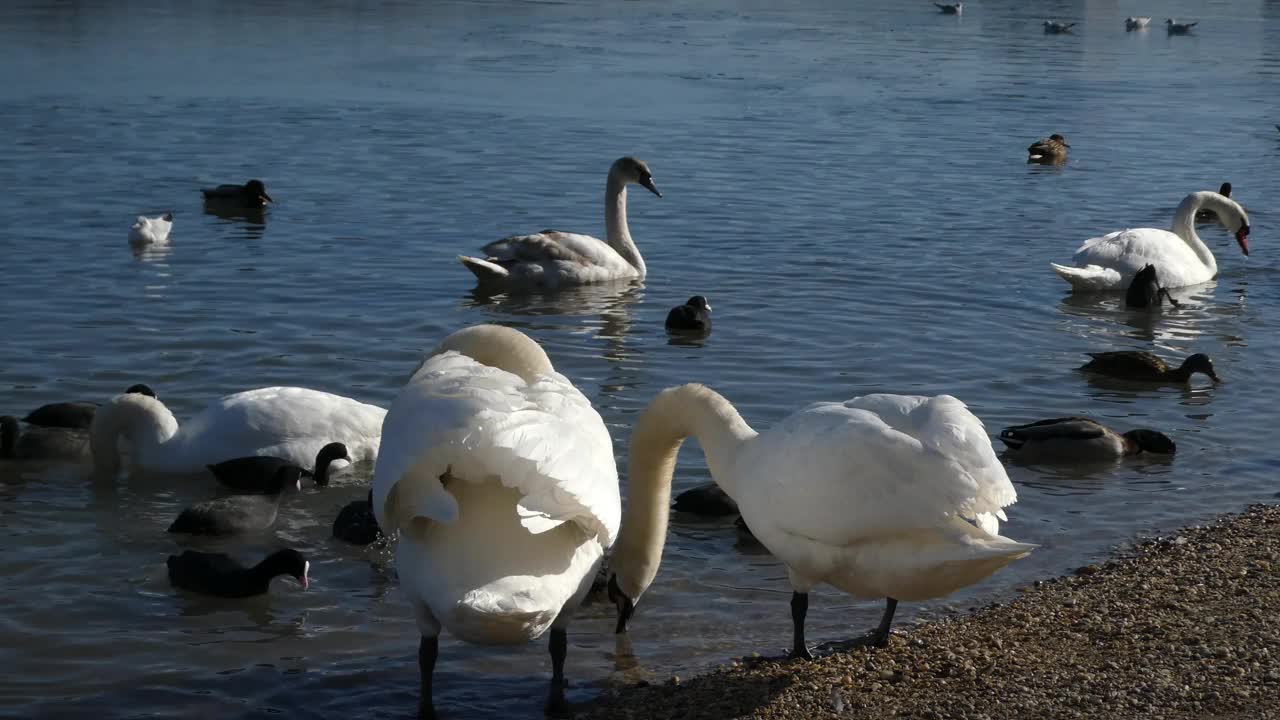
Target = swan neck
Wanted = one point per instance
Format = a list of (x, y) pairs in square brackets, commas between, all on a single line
[(675, 414), (1184, 226), (615, 219), (144, 421)]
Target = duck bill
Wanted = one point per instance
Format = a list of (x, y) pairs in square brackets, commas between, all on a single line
[(1242, 237)]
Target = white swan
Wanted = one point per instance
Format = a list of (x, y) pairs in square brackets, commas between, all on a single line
[(500, 478), (552, 258), (151, 231), (1110, 262), (286, 422), (889, 496)]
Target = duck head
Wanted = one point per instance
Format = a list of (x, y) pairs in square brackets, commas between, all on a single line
[(257, 189), (699, 302), (1200, 363), (1150, 441)]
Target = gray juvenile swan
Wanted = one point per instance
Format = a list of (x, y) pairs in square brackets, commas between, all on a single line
[(552, 258)]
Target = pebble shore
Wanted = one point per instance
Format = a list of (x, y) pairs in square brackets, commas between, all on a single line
[(1185, 626)]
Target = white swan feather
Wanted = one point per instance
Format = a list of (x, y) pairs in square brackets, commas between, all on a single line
[(287, 422)]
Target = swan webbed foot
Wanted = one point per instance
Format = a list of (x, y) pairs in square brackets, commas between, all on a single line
[(428, 650), (556, 705)]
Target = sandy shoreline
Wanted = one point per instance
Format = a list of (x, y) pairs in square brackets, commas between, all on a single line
[(1184, 626)]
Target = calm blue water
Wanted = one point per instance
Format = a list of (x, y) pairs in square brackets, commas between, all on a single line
[(844, 181)]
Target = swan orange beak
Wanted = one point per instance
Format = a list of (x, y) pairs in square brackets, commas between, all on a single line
[(1242, 237)]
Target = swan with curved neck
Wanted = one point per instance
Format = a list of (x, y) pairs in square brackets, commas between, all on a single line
[(499, 478), (286, 422), (1111, 261), (887, 496), (552, 258)]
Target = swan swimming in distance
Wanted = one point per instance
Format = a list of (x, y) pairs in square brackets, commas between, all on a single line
[(499, 478), (552, 258), (883, 496), (151, 231), (1110, 262), (286, 422)]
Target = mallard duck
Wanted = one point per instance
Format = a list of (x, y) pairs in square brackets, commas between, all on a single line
[(252, 194), (1136, 23), (1052, 149), (1206, 215), (1146, 367), (694, 315), (1057, 28), (1077, 439), (1145, 290), (1177, 28)]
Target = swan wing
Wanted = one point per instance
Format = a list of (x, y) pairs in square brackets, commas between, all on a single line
[(458, 420), (1126, 252), (287, 422), (877, 466), (553, 246)]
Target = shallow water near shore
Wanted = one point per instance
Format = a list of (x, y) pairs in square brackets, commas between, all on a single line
[(844, 181)]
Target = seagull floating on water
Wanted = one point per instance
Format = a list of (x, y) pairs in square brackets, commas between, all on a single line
[(1136, 23), (1177, 28), (1056, 28)]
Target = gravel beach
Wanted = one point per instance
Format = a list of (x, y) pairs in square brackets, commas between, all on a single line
[(1185, 626)]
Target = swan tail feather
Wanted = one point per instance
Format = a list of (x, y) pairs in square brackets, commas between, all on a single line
[(484, 270), (1090, 277)]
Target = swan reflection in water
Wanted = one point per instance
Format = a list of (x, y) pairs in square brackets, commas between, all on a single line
[(535, 310)]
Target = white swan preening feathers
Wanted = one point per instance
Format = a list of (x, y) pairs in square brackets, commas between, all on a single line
[(1110, 262), (887, 496), (287, 422), (151, 231), (552, 258), (500, 479)]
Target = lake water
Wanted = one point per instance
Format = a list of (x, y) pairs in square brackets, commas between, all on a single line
[(844, 180)]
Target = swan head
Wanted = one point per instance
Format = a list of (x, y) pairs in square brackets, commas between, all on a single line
[(634, 170), (1199, 363), (1150, 441), (497, 346), (257, 189), (626, 606), (8, 435), (699, 302)]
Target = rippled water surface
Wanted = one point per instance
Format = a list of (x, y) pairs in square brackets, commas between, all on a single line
[(844, 180)]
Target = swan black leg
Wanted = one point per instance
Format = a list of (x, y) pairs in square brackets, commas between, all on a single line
[(880, 637), (559, 645), (876, 638), (428, 649), (799, 607)]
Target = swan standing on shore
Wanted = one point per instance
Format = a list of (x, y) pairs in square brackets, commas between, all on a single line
[(890, 496), (499, 477), (1111, 261), (286, 422), (151, 231), (553, 258)]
